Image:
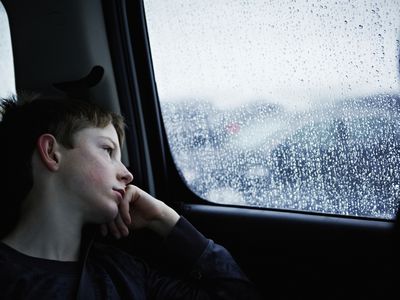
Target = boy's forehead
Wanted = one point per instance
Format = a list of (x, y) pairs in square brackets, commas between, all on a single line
[(108, 132)]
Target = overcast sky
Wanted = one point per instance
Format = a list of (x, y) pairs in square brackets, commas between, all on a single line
[(294, 53)]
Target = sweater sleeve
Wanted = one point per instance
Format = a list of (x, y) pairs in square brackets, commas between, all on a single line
[(207, 270)]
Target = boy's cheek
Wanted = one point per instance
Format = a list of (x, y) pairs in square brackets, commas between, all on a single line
[(95, 175)]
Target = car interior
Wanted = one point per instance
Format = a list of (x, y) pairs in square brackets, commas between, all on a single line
[(101, 50)]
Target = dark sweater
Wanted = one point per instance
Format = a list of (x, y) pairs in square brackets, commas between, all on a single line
[(207, 272)]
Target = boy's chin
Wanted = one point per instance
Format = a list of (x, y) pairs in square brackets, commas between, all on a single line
[(107, 215)]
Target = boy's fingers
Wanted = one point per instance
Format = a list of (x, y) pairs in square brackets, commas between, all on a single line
[(114, 230), (124, 207), (123, 229), (103, 229)]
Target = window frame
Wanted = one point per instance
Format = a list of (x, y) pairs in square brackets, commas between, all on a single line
[(149, 155)]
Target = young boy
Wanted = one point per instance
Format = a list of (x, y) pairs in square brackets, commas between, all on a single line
[(61, 170)]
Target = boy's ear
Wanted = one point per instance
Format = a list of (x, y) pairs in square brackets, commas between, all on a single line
[(47, 147)]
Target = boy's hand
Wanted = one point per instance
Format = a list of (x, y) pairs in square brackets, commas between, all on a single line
[(137, 210)]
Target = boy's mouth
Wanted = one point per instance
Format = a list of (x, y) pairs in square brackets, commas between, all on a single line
[(120, 191)]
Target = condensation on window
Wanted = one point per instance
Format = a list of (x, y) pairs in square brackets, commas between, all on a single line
[(282, 104), (7, 81)]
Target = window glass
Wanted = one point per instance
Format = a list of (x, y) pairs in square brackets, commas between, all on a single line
[(7, 81), (282, 104)]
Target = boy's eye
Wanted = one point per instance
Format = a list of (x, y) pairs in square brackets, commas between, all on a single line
[(108, 149)]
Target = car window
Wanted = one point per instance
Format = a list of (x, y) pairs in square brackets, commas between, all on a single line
[(7, 81), (282, 104)]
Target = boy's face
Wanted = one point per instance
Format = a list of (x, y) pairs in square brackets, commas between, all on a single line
[(92, 175)]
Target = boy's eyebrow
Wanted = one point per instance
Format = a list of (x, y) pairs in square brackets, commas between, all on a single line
[(110, 139)]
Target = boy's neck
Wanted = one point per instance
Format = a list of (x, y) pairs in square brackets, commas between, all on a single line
[(46, 231)]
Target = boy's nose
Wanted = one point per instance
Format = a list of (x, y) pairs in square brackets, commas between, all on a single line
[(125, 175)]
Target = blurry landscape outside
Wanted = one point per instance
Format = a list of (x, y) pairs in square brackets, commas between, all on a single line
[(7, 82), (282, 104)]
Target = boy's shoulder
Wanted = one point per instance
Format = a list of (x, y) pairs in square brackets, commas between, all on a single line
[(15, 262), (8, 264), (25, 277)]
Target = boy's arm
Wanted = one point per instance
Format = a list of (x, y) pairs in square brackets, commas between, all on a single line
[(208, 271)]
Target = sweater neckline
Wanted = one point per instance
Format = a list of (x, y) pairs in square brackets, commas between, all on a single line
[(17, 257)]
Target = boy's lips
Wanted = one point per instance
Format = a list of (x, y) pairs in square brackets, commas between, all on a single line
[(121, 192)]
